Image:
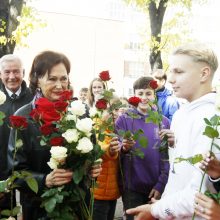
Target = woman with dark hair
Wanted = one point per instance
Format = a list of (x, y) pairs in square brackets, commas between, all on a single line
[(49, 77), (96, 88)]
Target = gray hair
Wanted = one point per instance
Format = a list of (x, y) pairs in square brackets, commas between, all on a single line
[(8, 58)]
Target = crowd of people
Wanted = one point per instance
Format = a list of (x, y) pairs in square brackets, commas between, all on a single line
[(153, 185)]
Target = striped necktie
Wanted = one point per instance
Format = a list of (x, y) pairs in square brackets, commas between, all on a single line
[(13, 96)]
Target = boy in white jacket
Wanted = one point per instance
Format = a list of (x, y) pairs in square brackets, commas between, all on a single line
[(192, 68)]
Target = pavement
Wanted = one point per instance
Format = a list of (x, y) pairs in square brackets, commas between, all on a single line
[(119, 210)]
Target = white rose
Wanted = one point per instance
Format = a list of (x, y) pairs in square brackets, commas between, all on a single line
[(2, 97), (59, 154), (94, 113), (84, 145), (77, 108), (71, 135), (85, 125), (53, 163), (70, 117)]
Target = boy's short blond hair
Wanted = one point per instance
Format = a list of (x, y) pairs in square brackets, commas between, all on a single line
[(199, 53)]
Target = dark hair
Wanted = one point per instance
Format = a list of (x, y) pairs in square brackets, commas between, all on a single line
[(43, 63), (142, 82), (159, 74), (91, 98)]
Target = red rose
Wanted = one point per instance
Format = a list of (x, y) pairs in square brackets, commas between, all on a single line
[(50, 116), (60, 106), (35, 114), (134, 101), (66, 95), (101, 104), (47, 111), (153, 84), (56, 141), (47, 129), (18, 122), (104, 75), (43, 104)]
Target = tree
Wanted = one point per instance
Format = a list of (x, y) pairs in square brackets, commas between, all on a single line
[(17, 21), (9, 12), (156, 10)]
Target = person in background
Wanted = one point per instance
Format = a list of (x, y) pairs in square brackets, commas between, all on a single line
[(167, 103), (205, 206), (143, 178), (124, 102), (95, 91), (192, 68), (83, 94), (107, 191), (49, 77), (17, 94)]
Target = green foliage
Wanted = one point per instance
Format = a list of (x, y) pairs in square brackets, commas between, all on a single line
[(2, 116), (214, 196), (7, 212), (28, 22), (175, 29), (192, 160)]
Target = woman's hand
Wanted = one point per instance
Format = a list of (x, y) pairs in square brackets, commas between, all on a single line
[(114, 146), (206, 207), (58, 177), (127, 144), (169, 134), (211, 165)]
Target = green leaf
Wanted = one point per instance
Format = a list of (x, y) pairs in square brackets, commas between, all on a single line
[(42, 142), (6, 212), (32, 183), (210, 132), (214, 120), (216, 145), (101, 137), (2, 116), (143, 141), (127, 135), (192, 160), (3, 185), (50, 204), (16, 210), (207, 121), (137, 152), (78, 175)]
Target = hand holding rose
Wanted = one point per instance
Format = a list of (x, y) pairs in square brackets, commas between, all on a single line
[(58, 177), (212, 165), (169, 134), (127, 144), (114, 146), (206, 207)]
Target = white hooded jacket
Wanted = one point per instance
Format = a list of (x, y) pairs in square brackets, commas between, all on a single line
[(188, 124)]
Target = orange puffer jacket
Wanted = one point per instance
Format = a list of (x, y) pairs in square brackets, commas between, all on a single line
[(107, 181)]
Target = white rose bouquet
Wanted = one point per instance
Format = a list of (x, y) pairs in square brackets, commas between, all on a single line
[(66, 127)]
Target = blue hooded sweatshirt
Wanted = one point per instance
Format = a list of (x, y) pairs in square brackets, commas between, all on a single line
[(142, 175), (167, 103)]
